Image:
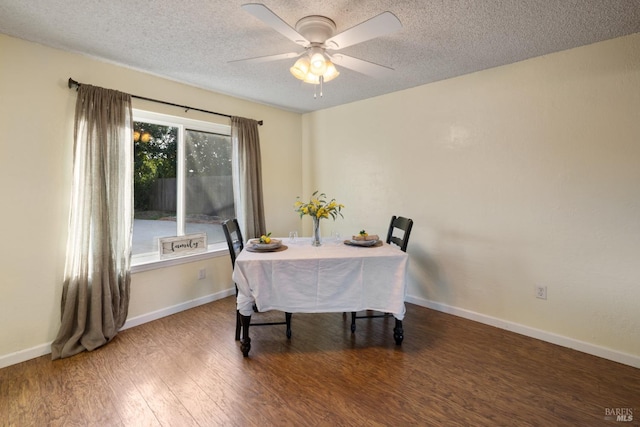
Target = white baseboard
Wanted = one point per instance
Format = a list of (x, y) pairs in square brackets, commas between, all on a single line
[(24, 355), (595, 350), (44, 349), (168, 311), (585, 347)]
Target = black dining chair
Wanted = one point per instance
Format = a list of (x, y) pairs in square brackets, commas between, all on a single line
[(233, 235), (398, 234)]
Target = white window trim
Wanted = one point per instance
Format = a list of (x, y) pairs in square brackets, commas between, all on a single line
[(151, 260)]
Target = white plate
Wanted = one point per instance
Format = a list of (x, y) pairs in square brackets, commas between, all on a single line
[(275, 243), (364, 242)]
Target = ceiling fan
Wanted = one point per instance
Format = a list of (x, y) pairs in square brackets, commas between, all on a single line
[(317, 34)]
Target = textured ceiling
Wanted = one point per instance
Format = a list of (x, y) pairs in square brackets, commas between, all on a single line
[(192, 41)]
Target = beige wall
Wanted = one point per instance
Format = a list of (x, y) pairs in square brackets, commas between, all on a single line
[(517, 176), (36, 130)]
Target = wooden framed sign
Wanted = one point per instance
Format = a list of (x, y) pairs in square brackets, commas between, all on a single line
[(182, 245)]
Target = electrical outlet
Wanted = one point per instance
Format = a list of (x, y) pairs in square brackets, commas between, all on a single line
[(202, 274), (541, 292)]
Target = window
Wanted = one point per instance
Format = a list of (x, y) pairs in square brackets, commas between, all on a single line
[(182, 179)]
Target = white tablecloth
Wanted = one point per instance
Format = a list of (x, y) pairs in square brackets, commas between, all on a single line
[(333, 277)]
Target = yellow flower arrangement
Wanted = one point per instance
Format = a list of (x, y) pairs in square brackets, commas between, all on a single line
[(318, 207)]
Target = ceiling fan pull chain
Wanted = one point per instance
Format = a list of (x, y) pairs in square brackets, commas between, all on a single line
[(321, 80)]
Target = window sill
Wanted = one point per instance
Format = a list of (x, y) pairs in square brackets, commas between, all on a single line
[(152, 261)]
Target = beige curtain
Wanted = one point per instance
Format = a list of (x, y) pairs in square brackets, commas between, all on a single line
[(247, 176), (95, 296)]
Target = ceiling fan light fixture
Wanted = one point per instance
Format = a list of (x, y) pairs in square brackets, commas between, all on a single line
[(311, 79), (318, 61), (331, 72), (301, 68)]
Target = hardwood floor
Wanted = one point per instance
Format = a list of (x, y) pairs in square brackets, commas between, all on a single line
[(187, 370)]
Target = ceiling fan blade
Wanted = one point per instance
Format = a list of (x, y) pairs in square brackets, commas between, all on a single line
[(267, 16), (268, 58), (383, 24), (361, 66)]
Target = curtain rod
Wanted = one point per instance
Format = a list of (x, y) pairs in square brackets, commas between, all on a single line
[(73, 83)]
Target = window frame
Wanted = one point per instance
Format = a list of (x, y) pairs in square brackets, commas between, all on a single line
[(151, 260)]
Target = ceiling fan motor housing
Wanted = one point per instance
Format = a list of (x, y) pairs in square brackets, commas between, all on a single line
[(316, 29)]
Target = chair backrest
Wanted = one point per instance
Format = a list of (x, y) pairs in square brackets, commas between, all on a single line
[(402, 237), (233, 235)]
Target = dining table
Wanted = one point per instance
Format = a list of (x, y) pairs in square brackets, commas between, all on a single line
[(337, 276)]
